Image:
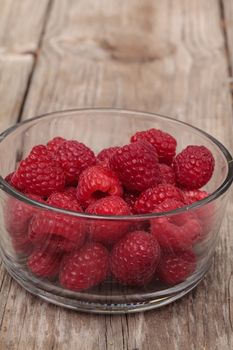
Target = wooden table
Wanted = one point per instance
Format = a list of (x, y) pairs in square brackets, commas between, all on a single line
[(171, 57)]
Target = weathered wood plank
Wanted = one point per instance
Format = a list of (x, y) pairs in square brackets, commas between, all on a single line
[(166, 57), (21, 23), (228, 27), (14, 74)]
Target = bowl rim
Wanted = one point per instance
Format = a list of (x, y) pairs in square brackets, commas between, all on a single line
[(6, 187)]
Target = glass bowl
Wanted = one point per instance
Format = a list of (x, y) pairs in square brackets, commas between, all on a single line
[(98, 129)]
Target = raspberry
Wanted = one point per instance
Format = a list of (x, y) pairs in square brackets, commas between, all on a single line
[(55, 143), (172, 236), (205, 213), (130, 199), (175, 268), (108, 231), (134, 258), (65, 201), (167, 174), (193, 167), (136, 165), (39, 174), (18, 214), (85, 268), (104, 156), (149, 199), (55, 231), (9, 177), (178, 231), (15, 182), (164, 143), (73, 158), (44, 264), (194, 196), (168, 205), (95, 182), (70, 192)]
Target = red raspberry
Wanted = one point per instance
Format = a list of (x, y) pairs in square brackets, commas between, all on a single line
[(85, 268), (65, 201), (175, 268), (38, 173), (164, 143), (193, 167), (55, 231), (178, 231), (136, 165), (9, 177), (194, 196), (44, 264), (168, 205), (206, 213), (200, 222), (55, 143), (134, 258), (73, 158), (172, 236), (167, 174), (104, 156), (149, 199), (96, 182), (16, 180), (17, 217), (130, 199), (70, 192), (18, 214), (139, 225), (104, 231)]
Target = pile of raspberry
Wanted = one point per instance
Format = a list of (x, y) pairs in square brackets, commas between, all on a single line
[(143, 177)]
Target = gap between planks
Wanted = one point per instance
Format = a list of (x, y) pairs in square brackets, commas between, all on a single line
[(36, 54), (226, 38)]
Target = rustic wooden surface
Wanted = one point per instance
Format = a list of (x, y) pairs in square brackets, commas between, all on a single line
[(21, 27), (227, 15), (172, 57)]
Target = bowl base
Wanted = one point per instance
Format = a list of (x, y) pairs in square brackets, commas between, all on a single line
[(97, 308), (101, 307)]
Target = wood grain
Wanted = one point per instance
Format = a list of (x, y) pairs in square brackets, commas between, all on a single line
[(228, 28), (168, 57), (21, 23), (14, 74)]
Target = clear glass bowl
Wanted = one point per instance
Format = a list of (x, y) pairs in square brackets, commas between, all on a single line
[(101, 128)]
